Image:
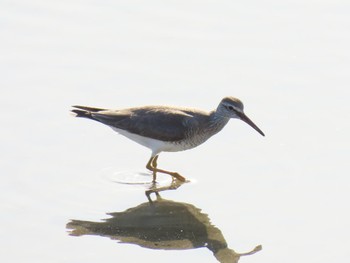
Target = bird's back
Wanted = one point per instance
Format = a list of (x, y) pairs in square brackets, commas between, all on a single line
[(157, 122)]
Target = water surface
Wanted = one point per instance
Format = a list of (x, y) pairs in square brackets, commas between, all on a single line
[(288, 191)]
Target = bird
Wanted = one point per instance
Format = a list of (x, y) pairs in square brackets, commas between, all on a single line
[(167, 128)]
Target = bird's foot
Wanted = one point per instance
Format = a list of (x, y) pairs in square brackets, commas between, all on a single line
[(178, 177)]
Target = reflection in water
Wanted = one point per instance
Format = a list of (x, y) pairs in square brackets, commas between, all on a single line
[(162, 224)]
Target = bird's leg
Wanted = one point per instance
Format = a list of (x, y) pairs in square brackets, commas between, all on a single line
[(154, 189), (152, 166), (154, 161)]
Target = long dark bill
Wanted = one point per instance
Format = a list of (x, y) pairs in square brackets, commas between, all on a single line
[(250, 122)]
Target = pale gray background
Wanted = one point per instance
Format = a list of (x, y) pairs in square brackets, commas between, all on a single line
[(289, 61)]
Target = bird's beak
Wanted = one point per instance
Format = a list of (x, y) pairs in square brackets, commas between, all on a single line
[(245, 118)]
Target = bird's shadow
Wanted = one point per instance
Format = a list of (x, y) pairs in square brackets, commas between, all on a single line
[(161, 224)]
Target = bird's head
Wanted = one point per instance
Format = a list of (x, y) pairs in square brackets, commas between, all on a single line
[(231, 107)]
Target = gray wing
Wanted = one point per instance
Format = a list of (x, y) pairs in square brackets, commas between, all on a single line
[(158, 123)]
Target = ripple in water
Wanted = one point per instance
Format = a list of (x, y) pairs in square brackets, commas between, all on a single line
[(131, 177)]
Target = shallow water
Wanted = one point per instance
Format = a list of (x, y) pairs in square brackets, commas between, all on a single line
[(287, 191)]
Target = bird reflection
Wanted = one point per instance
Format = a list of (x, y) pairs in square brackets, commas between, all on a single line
[(162, 224)]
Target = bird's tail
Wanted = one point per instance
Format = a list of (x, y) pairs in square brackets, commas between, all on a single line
[(82, 113), (85, 112)]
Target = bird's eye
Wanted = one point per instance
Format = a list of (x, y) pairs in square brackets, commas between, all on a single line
[(230, 107)]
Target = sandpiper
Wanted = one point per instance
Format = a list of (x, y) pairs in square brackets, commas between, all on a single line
[(167, 129)]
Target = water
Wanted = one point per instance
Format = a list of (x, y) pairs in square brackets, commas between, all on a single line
[(288, 62)]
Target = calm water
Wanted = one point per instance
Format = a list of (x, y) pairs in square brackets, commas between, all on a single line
[(65, 192)]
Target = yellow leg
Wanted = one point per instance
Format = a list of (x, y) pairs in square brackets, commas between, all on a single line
[(152, 165)]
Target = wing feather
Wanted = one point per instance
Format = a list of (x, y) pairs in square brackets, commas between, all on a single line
[(157, 123)]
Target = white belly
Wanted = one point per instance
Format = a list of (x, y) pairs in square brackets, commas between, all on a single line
[(156, 146)]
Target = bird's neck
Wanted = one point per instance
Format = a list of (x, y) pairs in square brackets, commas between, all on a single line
[(217, 121)]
